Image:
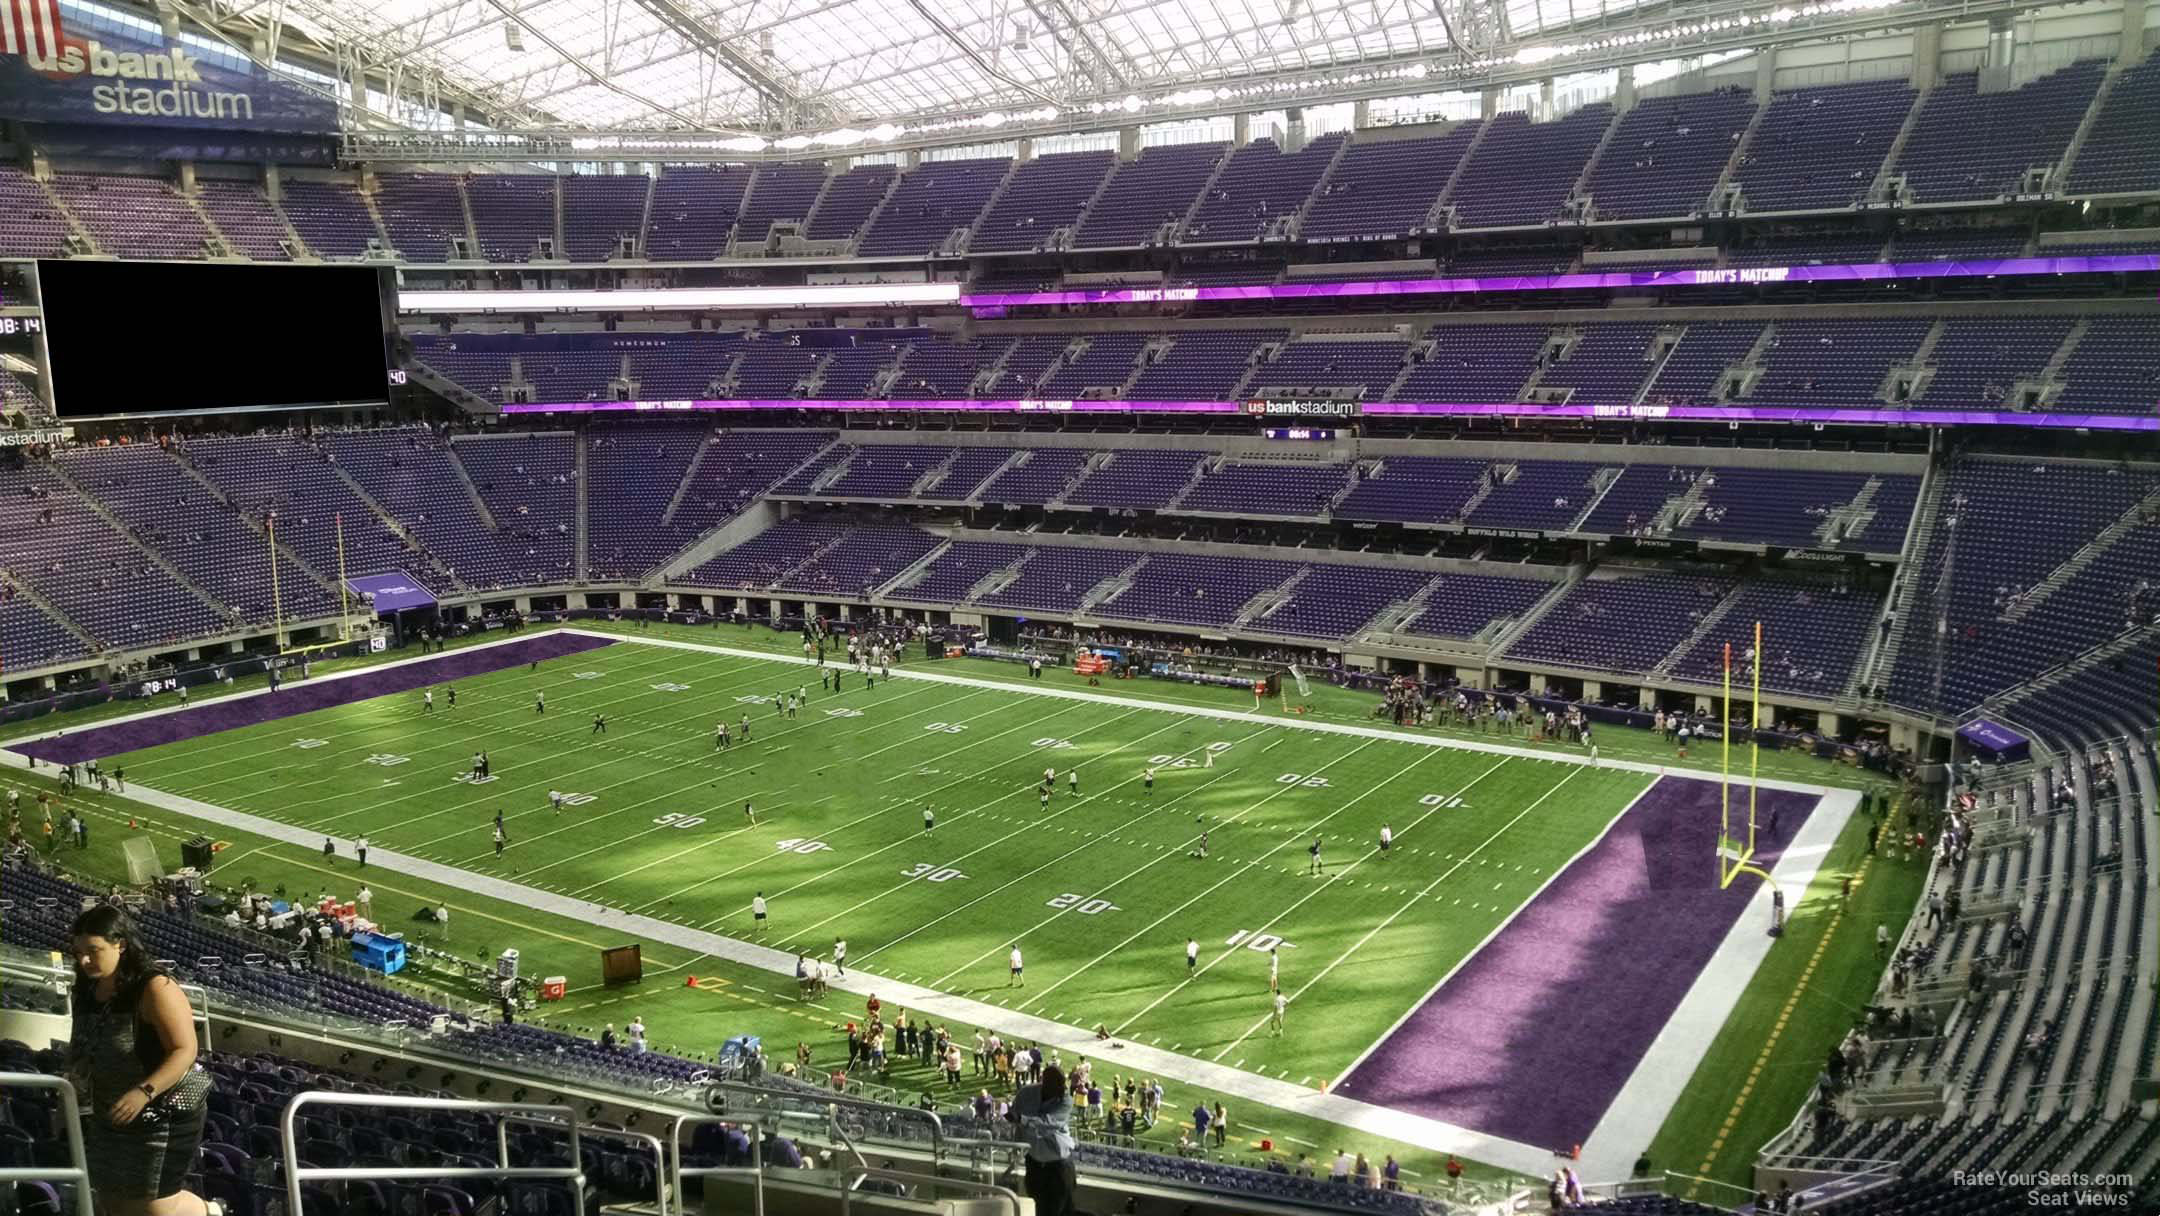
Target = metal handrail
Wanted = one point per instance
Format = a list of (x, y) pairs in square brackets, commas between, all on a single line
[(852, 1180), (676, 1171), (660, 1186), (77, 1171), (767, 1099), (295, 1174)]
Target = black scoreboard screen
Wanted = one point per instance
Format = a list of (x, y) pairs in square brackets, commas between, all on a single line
[(148, 338)]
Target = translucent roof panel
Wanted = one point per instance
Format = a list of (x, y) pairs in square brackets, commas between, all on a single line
[(722, 63)]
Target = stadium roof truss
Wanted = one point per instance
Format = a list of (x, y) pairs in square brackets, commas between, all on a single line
[(946, 71)]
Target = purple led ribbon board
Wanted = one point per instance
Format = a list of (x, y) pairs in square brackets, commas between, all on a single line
[(1691, 413), (2095, 264)]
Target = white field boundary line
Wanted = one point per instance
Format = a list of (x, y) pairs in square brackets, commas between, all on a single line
[(1075, 1041), (1487, 940), (1644, 1102), (1236, 715)]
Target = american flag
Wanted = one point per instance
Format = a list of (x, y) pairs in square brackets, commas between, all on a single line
[(32, 28)]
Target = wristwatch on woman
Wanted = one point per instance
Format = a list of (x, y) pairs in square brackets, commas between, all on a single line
[(148, 1090)]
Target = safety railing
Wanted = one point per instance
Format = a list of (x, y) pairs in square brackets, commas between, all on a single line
[(647, 1139), (572, 1174), (76, 1172)]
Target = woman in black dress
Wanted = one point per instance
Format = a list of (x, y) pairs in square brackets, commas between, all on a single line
[(132, 1054)]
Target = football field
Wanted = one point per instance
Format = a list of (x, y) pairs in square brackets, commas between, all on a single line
[(1101, 889)]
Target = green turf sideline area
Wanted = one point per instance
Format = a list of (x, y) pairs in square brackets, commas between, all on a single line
[(939, 909)]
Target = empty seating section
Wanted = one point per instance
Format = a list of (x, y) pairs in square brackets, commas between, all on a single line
[(90, 573), (1044, 195), (423, 213), (1496, 263), (1260, 184), (1834, 249), (529, 484), (1971, 145), (1040, 477), (600, 212), (169, 512), (1956, 244), (1194, 589), (946, 370), (955, 572), (2115, 368), (1335, 601), (1474, 363), (30, 224), (1023, 369), (1204, 365), (513, 213), (678, 367), (693, 213), (1522, 172), (734, 469), (1811, 639), (34, 637), (1607, 365), (1104, 366), (632, 475), (1149, 195), (932, 201), (1977, 363), (330, 216), (967, 472), (408, 472), (1697, 363), (140, 217), (1384, 188), (573, 373), (242, 212), (849, 371), (1667, 154), (1536, 495), (778, 192), (1821, 148), (881, 471), (1136, 479), (859, 560), (2118, 153), (296, 479), (2012, 610), (1619, 623), (485, 372), (1414, 489), (1466, 605), (772, 369), (1364, 368), (1058, 578), (1266, 488), (848, 201)]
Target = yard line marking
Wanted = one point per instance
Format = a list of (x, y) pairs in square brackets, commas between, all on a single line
[(1406, 904), (860, 818), (677, 794), (1158, 921), (1094, 839)]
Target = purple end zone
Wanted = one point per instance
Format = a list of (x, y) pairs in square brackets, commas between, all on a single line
[(97, 742), (1532, 1039)]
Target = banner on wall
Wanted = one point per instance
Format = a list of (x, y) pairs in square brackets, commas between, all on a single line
[(60, 64)]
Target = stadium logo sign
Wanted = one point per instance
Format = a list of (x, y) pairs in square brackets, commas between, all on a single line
[(48, 74), (25, 439), (1297, 408)]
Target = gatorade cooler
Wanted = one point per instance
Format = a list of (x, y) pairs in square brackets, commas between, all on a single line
[(553, 988)]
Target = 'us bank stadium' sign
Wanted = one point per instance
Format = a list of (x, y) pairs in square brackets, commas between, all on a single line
[(64, 64)]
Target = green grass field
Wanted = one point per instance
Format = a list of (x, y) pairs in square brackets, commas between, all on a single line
[(1101, 890)]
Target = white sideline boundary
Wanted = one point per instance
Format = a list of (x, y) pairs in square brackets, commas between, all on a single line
[(1648, 1094)]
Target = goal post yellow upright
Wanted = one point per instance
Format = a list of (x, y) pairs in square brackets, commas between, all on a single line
[(1735, 857)]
